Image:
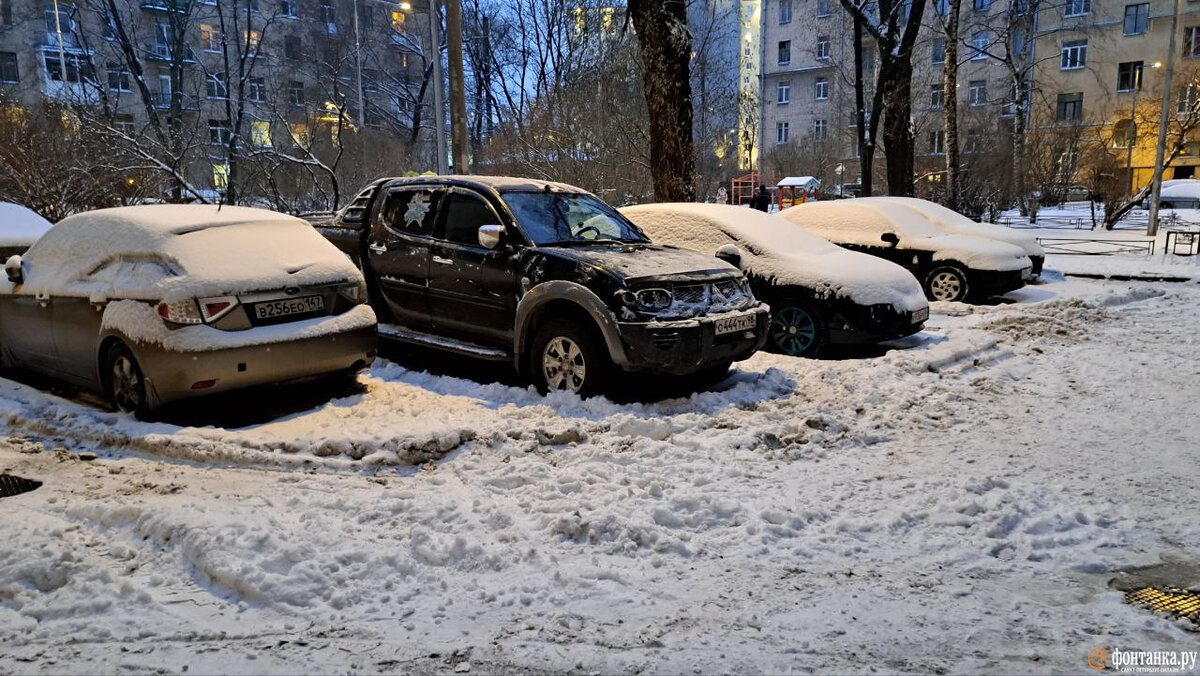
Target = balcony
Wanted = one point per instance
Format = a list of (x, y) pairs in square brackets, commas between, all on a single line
[(177, 6), (161, 52)]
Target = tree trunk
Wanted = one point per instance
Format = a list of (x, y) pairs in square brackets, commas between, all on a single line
[(866, 150), (896, 84), (665, 44), (950, 103)]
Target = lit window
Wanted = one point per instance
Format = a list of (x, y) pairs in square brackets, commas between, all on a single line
[(260, 133)]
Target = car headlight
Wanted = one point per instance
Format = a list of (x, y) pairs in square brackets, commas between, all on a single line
[(653, 300)]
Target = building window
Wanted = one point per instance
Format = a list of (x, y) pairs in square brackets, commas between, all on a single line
[(256, 89), (210, 38), (1074, 55), (983, 5), (1187, 103), (215, 87), (785, 11), (781, 133), (937, 96), (220, 177), (937, 51), (821, 89), (977, 92), (218, 132), (820, 128), (66, 19), (289, 8), (5, 12), (1136, 17), (300, 134), (77, 69), (1078, 7), (1129, 76), (328, 17), (9, 73), (293, 47), (398, 19), (296, 93), (118, 76), (260, 133), (785, 52), (785, 91), (1124, 134), (124, 124), (251, 40), (824, 8), (1191, 41), (823, 47), (937, 142), (1070, 108), (979, 45)]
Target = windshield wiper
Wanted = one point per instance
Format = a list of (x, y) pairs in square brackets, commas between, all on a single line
[(569, 242)]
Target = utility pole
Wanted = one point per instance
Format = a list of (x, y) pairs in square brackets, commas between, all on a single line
[(438, 113), (458, 95), (62, 52), (1163, 119), (362, 110)]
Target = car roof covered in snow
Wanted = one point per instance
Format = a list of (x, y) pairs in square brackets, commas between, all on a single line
[(496, 183), (20, 226), (1187, 188), (175, 251), (779, 252), (951, 221)]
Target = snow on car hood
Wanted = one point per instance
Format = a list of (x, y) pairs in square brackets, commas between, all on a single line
[(20, 226), (173, 252), (639, 261), (779, 251), (953, 222), (862, 221)]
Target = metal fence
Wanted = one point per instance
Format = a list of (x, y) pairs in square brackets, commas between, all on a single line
[(1095, 246)]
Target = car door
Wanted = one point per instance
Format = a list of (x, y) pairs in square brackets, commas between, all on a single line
[(399, 244), (472, 289), (27, 330)]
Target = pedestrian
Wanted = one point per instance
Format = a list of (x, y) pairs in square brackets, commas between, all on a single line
[(762, 199)]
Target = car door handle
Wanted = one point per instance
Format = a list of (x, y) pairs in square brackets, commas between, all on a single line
[(377, 248), (442, 261), (43, 299)]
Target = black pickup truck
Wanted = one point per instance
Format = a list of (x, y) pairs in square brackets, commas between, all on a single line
[(545, 275)]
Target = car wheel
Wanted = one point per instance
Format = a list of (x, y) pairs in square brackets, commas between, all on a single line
[(125, 383), (946, 283), (797, 330), (568, 356)]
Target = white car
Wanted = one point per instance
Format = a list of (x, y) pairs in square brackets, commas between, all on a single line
[(150, 304), (19, 228), (819, 294), (950, 267), (955, 223)]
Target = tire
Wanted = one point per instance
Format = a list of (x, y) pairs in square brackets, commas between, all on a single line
[(566, 355), (124, 384), (797, 330), (947, 283)]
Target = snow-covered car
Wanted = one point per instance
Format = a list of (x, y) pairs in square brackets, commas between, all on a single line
[(150, 304), (20, 227), (954, 223), (950, 267), (819, 294)]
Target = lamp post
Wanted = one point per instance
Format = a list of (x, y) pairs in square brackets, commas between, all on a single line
[(438, 113), (1160, 148), (62, 52)]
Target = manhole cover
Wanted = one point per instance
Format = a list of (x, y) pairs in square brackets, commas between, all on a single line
[(14, 485), (1178, 602)]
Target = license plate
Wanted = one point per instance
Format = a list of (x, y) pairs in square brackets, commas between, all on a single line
[(1026, 273), (734, 324), (920, 315), (289, 306)]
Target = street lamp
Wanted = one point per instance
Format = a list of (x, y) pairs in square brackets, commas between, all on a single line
[(1160, 148)]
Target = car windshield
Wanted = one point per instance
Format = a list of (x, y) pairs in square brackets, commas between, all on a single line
[(567, 218)]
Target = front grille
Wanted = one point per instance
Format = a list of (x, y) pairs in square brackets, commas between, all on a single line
[(664, 340), (691, 295), (693, 300)]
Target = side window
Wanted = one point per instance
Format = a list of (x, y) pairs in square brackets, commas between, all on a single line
[(410, 212), (464, 215)]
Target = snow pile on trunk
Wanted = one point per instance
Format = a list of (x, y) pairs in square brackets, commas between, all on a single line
[(20, 226), (176, 252), (859, 222), (779, 252)]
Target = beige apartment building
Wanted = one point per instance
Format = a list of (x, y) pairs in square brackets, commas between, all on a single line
[(292, 70)]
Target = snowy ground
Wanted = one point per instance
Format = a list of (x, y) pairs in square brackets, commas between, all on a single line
[(960, 504)]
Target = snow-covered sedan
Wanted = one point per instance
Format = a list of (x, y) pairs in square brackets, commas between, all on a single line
[(953, 223), (950, 267), (819, 294), (20, 227), (151, 304)]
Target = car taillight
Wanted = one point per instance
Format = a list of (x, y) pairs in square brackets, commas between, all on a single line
[(180, 312), (213, 309), (354, 291)]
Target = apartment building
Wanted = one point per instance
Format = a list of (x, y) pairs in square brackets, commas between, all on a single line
[(290, 69)]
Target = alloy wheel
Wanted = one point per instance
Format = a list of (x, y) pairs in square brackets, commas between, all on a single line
[(563, 365), (793, 330), (945, 285), (126, 384)]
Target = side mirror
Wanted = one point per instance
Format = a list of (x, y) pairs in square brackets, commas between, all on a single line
[(490, 235), (730, 254), (890, 238), (13, 269)]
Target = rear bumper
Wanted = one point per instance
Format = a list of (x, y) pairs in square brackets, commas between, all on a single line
[(684, 347), (171, 375)]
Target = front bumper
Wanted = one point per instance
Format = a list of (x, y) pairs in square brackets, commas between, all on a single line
[(684, 347), (858, 325), (986, 283), (171, 375)]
